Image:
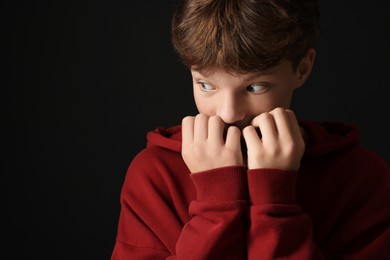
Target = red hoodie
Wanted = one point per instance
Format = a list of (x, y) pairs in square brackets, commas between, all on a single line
[(335, 207)]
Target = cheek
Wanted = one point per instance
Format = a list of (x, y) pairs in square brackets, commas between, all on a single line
[(261, 105), (284, 99), (266, 103), (280, 98), (204, 106)]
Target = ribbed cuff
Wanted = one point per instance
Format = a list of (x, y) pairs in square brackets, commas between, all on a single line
[(225, 183), (272, 186)]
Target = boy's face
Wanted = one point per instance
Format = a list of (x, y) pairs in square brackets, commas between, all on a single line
[(238, 98)]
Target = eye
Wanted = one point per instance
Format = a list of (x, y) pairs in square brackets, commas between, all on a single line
[(206, 87), (256, 88)]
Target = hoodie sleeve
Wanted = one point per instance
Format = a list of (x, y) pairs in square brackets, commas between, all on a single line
[(349, 204), (278, 228), (217, 229), (166, 213), (358, 223)]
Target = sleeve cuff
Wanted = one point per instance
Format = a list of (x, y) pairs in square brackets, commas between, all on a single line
[(272, 186), (222, 184)]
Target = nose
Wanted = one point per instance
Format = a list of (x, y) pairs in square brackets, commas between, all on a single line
[(231, 108)]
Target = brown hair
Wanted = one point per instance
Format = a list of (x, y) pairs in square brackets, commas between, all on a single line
[(244, 35)]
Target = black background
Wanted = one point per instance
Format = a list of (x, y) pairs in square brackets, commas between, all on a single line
[(83, 82)]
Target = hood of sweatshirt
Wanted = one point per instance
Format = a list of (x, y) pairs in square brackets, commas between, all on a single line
[(321, 137)]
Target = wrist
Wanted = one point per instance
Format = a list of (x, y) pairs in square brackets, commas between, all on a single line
[(225, 183), (272, 186)]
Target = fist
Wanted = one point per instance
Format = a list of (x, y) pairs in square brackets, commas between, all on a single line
[(204, 146), (281, 145)]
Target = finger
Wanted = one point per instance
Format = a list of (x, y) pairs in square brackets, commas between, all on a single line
[(233, 137), (201, 127), (251, 137), (266, 124), (187, 126), (283, 123), (215, 130), (295, 128)]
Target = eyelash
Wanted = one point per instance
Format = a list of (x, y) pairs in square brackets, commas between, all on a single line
[(202, 86), (264, 86)]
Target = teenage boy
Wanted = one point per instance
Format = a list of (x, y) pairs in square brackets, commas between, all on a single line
[(244, 179)]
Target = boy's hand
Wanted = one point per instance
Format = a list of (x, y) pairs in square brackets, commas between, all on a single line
[(204, 147), (281, 145)]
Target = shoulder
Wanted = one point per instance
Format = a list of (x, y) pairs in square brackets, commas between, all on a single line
[(155, 167), (152, 157), (360, 159), (361, 173), (352, 170)]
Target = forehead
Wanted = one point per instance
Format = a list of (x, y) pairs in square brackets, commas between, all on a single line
[(217, 73), (282, 67)]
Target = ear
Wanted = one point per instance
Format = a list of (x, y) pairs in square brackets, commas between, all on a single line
[(305, 66)]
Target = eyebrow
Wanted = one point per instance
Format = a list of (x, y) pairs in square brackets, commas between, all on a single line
[(245, 78), (258, 74)]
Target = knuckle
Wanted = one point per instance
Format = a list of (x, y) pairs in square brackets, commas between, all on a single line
[(290, 114), (233, 129), (187, 119), (247, 130), (214, 120), (279, 111), (289, 111), (275, 110), (264, 117), (201, 117)]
